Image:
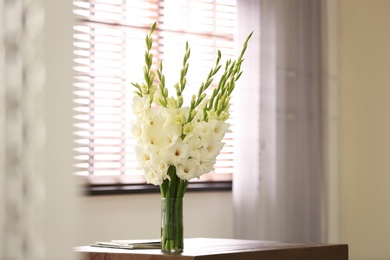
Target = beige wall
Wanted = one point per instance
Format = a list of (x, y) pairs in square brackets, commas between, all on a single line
[(134, 216), (365, 128), (60, 201)]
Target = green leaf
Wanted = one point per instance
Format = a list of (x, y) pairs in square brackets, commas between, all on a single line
[(153, 27)]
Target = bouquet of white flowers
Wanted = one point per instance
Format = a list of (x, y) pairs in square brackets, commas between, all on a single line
[(176, 143)]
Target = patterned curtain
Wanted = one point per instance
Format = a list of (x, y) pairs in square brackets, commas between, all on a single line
[(21, 129)]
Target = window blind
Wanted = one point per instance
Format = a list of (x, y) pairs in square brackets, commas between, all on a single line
[(109, 45)]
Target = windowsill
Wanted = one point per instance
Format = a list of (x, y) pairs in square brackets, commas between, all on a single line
[(93, 190), (136, 184)]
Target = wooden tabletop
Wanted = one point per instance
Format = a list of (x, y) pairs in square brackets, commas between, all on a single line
[(225, 249)]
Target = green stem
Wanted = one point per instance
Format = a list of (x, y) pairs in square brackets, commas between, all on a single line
[(172, 193), (172, 225)]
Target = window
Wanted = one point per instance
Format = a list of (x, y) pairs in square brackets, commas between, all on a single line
[(109, 56)]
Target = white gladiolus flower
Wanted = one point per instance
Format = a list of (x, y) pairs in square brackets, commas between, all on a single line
[(173, 135), (194, 141), (195, 146), (188, 169), (140, 105), (203, 128), (206, 166), (176, 153), (219, 129), (173, 131), (156, 119), (143, 156), (152, 176), (155, 139), (155, 169), (136, 129), (159, 165), (210, 150)]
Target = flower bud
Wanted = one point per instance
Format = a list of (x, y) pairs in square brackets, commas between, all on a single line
[(171, 103), (187, 128)]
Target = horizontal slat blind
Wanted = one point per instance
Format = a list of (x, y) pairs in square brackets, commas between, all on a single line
[(109, 55)]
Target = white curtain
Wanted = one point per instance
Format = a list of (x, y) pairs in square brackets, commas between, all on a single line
[(21, 130), (279, 191)]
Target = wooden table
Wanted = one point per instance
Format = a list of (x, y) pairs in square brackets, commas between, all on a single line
[(225, 249)]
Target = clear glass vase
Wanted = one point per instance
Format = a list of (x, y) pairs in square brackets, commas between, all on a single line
[(172, 225)]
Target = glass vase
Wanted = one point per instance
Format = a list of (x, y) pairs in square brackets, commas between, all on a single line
[(172, 225)]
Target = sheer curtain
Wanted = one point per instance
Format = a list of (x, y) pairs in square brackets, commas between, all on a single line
[(21, 130), (279, 190)]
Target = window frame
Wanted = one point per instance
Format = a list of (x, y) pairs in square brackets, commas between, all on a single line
[(94, 185), (95, 190)]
